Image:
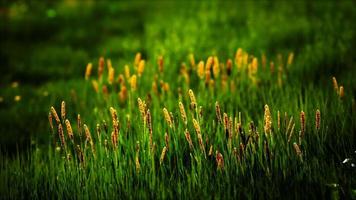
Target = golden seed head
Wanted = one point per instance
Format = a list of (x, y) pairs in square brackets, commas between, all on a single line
[(142, 108), (192, 60), (336, 87), (317, 119), (219, 160), (209, 63), (341, 92), (160, 64), (297, 150), (201, 143), (279, 120), (137, 59), (267, 120), (141, 67), (55, 115), (163, 155), (254, 64), (69, 129), (193, 101), (182, 113), (88, 71), (216, 67), (127, 71), (302, 123), (87, 134), (111, 75), (218, 112), (210, 150), (61, 136), (226, 122), (167, 117), (201, 69), (63, 110), (114, 139), (290, 58), (166, 140), (188, 138), (133, 82), (101, 67), (196, 126), (95, 85), (229, 67)]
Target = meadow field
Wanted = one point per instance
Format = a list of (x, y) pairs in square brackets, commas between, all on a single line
[(177, 100)]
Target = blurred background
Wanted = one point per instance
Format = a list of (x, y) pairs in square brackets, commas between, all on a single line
[(45, 45)]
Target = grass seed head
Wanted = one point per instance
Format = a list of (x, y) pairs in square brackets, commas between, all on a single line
[(111, 75), (167, 117), (218, 112), (61, 136), (88, 71), (302, 123), (201, 69), (267, 120), (193, 101), (335, 85), (69, 130), (137, 59), (141, 67), (101, 67), (163, 155), (183, 113), (50, 119), (133, 82), (55, 115), (297, 150), (219, 160), (341, 92), (63, 110), (127, 72), (317, 119), (189, 139)]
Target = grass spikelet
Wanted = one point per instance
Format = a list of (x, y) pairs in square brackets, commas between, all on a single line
[(317, 119), (137, 160), (196, 126), (201, 70), (298, 151), (61, 136), (80, 155), (341, 92), (192, 61), (88, 138), (219, 160), (302, 124), (226, 125), (95, 85), (229, 67), (167, 117), (137, 59), (111, 75), (133, 82), (63, 110), (69, 130), (142, 109), (50, 120), (88, 71), (291, 133), (149, 126), (123, 93), (141, 67), (114, 139), (210, 153), (267, 120), (335, 85), (201, 144), (163, 155), (189, 139), (55, 115), (101, 67), (127, 72), (290, 58), (79, 125), (216, 67), (279, 120), (160, 64), (193, 101), (218, 112), (183, 113), (166, 140)]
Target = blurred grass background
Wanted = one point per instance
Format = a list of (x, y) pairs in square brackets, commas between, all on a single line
[(46, 45)]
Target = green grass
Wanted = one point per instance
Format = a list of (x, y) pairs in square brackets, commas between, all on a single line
[(50, 70)]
